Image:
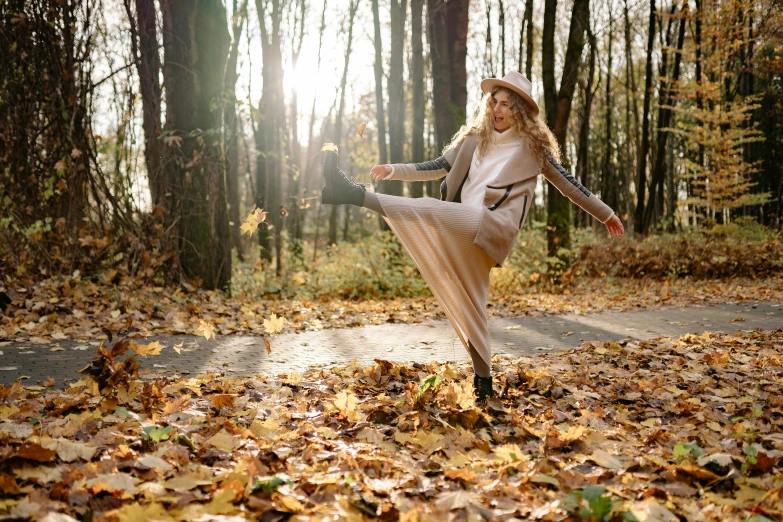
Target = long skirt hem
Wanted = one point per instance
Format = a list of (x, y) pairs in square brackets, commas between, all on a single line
[(439, 237)]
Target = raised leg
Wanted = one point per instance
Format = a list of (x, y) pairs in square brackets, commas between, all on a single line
[(371, 201)]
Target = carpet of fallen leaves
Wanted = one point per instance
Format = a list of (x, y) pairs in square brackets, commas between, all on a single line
[(648, 431), (74, 308)]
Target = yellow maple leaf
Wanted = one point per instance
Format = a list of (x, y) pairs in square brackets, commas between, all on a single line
[(135, 511), (429, 441), (509, 453), (206, 329), (329, 147), (345, 403), (144, 350), (252, 221), (274, 324), (222, 440)]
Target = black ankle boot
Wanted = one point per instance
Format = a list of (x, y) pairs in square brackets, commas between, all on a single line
[(339, 188), (483, 388)]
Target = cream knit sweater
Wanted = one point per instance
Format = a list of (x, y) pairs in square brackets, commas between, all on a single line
[(484, 171)]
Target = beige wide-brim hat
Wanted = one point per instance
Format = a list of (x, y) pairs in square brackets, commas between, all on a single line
[(514, 81)]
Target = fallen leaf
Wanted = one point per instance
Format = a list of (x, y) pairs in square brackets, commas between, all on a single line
[(114, 483), (451, 500), (649, 510), (605, 459), (222, 440), (134, 512), (36, 452), (57, 517), (70, 451), (345, 402), (154, 462), (15, 430), (509, 453), (464, 475), (189, 481), (541, 478)]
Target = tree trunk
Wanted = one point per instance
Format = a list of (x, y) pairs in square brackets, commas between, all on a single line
[(489, 64), (144, 46), (380, 113), (448, 24), (655, 199), (338, 124), (641, 161), (666, 95), (398, 11), (502, 24), (295, 192), (632, 125), (196, 45), (558, 108), (529, 54), (272, 124), (697, 40), (583, 149), (417, 79), (610, 182), (231, 131)]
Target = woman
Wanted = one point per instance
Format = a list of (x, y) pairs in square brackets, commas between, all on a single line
[(490, 171)]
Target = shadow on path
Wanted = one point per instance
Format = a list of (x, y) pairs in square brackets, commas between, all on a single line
[(433, 340)]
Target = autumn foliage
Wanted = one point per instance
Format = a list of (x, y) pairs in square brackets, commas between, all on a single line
[(658, 429)]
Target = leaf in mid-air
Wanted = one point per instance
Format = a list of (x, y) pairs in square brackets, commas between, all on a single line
[(252, 221), (360, 130), (152, 348), (206, 329), (274, 324), (329, 147)]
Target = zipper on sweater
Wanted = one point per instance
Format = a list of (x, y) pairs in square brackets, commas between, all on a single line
[(496, 205), (524, 210)]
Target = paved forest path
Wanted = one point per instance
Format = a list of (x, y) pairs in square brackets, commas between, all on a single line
[(432, 340)]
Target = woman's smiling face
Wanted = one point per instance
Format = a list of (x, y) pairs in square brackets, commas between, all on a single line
[(501, 110)]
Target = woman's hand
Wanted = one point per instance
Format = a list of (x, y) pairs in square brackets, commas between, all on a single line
[(379, 172), (615, 226)]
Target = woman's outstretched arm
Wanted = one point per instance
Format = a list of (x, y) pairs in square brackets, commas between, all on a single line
[(570, 187), (426, 171)]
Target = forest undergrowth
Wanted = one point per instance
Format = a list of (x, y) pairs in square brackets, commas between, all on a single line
[(373, 281)]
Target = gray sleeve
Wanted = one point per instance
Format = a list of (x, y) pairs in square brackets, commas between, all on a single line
[(570, 187)]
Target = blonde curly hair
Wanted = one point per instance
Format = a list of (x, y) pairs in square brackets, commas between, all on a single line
[(541, 140)]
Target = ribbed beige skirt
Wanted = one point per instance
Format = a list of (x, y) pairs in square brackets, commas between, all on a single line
[(439, 237)]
